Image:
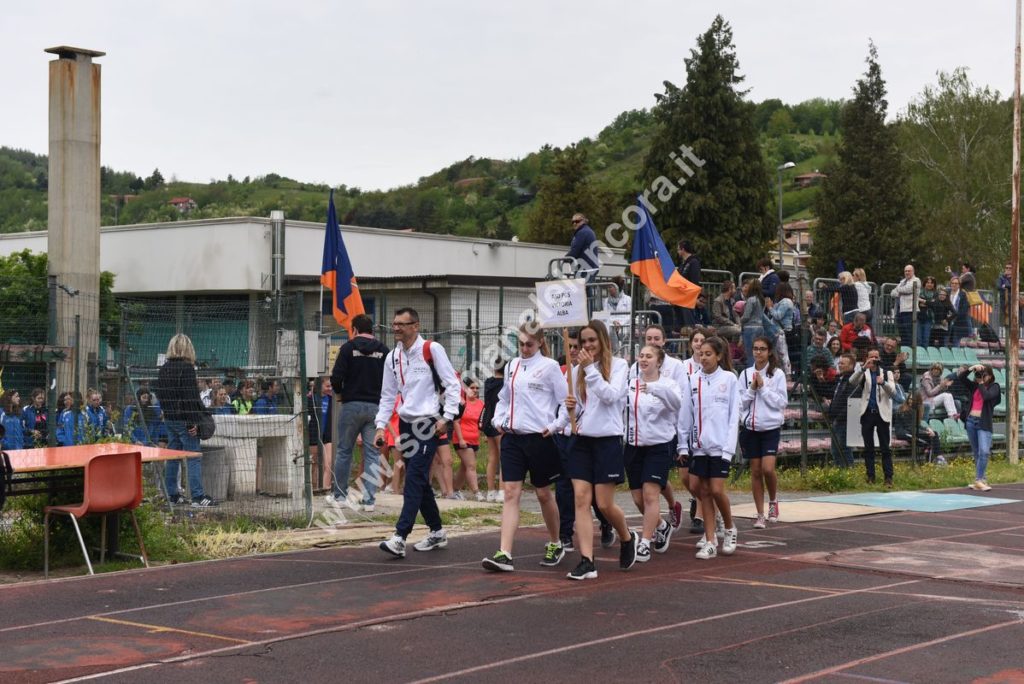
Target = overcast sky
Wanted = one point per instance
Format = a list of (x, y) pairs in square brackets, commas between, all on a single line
[(376, 94)]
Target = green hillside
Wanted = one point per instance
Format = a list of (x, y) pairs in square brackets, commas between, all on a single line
[(473, 197)]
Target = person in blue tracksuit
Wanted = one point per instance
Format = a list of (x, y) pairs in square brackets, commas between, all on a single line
[(11, 419), (71, 420), (35, 417)]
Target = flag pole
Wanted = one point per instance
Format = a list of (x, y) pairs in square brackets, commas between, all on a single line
[(568, 376), (1013, 332)]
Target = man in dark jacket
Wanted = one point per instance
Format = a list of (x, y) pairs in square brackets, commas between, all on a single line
[(689, 268), (583, 248), (837, 411), (356, 379)]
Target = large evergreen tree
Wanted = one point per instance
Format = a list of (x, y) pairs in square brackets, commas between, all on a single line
[(724, 208), (866, 214)]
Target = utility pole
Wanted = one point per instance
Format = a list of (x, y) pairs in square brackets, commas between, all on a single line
[(1013, 333)]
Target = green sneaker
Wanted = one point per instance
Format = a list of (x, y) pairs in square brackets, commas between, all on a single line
[(553, 554), (499, 562)]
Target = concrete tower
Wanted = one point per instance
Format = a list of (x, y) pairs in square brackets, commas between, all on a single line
[(73, 241)]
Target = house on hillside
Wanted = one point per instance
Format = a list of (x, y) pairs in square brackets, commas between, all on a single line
[(183, 204), (806, 180)]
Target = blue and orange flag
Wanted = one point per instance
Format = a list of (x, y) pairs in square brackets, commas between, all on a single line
[(652, 263), (337, 274)]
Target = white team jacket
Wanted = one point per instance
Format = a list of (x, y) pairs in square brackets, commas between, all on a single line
[(762, 410), (534, 389), (651, 415), (716, 414), (601, 414)]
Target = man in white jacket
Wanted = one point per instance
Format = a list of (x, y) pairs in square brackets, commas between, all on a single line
[(875, 413), (420, 422), (908, 290)]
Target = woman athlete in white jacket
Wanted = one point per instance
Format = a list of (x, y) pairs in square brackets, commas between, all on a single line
[(595, 460), (716, 417), (652, 409), (763, 398)]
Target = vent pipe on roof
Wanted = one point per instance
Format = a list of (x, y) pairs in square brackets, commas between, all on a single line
[(277, 257)]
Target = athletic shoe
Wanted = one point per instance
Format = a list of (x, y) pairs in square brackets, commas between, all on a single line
[(492, 496), (331, 501), (479, 496), (773, 511), (395, 546), (435, 540), (584, 571), (759, 523), (567, 545), (662, 536), (888, 483), (697, 527), (729, 541), (693, 509), (627, 551), (976, 485), (940, 461), (707, 552), (367, 507), (703, 541), (177, 500), (608, 536), (553, 555), (719, 526), (983, 486), (676, 513), (204, 502), (499, 562), (643, 552)]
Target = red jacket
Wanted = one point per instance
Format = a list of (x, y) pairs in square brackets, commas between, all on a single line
[(847, 335)]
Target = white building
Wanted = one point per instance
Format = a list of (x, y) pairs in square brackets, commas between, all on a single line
[(457, 284)]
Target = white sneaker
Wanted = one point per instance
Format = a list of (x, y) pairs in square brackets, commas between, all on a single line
[(331, 501), (643, 552), (492, 496), (395, 546), (479, 496), (702, 541), (707, 552), (759, 524), (729, 542), (367, 508), (983, 486), (434, 540)]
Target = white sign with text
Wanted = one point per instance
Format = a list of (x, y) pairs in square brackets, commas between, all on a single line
[(562, 303)]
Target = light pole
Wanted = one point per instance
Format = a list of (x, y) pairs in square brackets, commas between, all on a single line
[(780, 168)]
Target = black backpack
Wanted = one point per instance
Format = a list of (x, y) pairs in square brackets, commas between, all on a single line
[(987, 334)]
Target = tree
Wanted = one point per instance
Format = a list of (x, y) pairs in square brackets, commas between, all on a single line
[(156, 180), (565, 190), (24, 301), (780, 123), (724, 208), (956, 140), (866, 213)]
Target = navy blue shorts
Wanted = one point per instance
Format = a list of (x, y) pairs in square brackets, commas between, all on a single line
[(535, 454), (648, 464), (707, 467), (757, 443), (597, 460)]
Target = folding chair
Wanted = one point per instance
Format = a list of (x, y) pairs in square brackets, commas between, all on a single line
[(113, 483)]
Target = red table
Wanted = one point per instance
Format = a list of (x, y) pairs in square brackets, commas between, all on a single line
[(58, 458)]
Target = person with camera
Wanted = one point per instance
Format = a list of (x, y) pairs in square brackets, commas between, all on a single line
[(410, 370), (985, 394), (878, 386)]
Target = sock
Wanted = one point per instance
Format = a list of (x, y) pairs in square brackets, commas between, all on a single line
[(646, 541)]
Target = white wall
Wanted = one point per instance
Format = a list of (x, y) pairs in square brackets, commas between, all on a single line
[(225, 255)]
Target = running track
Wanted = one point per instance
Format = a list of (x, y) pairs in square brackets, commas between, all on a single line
[(897, 597)]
